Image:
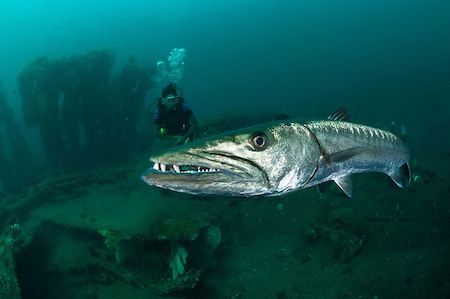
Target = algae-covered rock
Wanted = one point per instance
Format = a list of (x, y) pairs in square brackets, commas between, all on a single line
[(202, 250), (113, 241), (180, 229), (177, 259), (212, 236), (9, 287), (186, 281), (346, 231)]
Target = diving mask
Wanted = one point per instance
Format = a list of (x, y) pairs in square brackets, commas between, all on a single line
[(170, 100)]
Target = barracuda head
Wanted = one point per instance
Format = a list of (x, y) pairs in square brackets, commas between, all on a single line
[(262, 160)]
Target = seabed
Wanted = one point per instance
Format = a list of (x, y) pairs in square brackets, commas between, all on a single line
[(106, 234)]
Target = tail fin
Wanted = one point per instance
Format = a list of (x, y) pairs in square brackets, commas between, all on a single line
[(402, 176)]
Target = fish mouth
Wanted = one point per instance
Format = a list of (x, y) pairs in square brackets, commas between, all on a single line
[(206, 173), (207, 163), (183, 168)]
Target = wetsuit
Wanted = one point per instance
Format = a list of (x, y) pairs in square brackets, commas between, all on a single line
[(174, 121)]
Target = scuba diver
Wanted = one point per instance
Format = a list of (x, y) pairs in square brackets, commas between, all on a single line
[(173, 118)]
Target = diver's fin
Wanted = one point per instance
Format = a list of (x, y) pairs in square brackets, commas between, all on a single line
[(340, 114), (401, 176), (345, 183)]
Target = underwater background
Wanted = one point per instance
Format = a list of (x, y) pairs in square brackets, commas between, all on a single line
[(77, 86)]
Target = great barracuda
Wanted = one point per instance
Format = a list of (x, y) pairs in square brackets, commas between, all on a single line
[(280, 157)]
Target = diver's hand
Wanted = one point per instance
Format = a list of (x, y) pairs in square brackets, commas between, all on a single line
[(183, 140), (180, 140)]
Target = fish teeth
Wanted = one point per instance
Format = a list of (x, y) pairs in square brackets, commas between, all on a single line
[(164, 167), (176, 168)]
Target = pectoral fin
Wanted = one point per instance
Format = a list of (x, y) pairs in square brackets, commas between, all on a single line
[(345, 183), (345, 154)]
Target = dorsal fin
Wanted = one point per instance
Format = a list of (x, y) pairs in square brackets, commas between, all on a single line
[(340, 114)]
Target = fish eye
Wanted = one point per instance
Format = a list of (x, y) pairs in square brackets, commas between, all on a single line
[(259, 141)]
